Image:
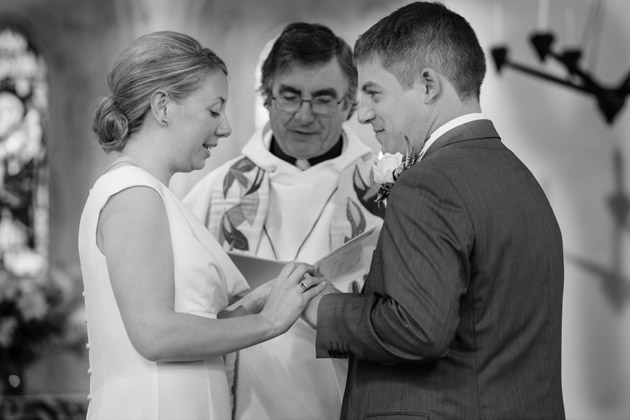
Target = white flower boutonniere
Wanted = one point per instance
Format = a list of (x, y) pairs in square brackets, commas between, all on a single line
[(389, 167), (385, 167)]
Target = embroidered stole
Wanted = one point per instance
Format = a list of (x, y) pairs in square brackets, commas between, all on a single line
[(240, 203)]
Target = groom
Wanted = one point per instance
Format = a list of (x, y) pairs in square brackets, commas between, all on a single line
[(460, 316)]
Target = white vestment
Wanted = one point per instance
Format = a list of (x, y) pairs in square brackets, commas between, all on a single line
[(262, 205)]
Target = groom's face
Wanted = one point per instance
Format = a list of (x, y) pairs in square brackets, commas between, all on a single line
[(393, 111)]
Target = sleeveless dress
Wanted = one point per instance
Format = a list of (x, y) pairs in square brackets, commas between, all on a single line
[(123, 384)]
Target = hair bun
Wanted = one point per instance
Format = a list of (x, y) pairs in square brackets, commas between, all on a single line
[(110, 125)]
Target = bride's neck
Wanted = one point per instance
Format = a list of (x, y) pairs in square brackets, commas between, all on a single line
[(147, 157)]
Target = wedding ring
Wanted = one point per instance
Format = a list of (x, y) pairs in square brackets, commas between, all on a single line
[(304, 287)]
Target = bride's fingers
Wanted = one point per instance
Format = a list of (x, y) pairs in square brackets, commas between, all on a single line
[(297, 273), (287, 270), (314, 290), (309, 281)]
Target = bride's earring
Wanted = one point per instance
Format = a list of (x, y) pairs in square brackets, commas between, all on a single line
[(164, 120)]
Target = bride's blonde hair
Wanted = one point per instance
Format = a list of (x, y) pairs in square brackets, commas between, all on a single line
[(171, 61)]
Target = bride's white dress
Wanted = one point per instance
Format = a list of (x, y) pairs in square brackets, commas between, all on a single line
[(123, 384)]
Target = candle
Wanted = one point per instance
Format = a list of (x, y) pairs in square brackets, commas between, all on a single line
[(497, 22), (569, 27), (543, 15)]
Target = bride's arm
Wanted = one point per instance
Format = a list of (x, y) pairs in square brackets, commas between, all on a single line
[(249, 303), (133, 234)]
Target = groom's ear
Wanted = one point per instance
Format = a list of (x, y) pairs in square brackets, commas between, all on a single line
[(429, 84)]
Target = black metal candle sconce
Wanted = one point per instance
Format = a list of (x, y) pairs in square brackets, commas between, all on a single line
[(610, 99)]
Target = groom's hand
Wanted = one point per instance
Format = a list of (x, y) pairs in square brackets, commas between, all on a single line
[(310, 311)]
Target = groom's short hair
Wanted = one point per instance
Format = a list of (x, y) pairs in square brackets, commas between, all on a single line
[(426, 34)]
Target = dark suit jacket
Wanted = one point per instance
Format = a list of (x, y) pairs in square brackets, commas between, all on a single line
[(460, 316)]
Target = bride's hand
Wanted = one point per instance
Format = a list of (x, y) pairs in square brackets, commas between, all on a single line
[(290, 292), (250, 303)]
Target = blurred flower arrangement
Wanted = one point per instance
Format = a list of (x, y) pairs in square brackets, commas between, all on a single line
[(27, 304), (35, 310)]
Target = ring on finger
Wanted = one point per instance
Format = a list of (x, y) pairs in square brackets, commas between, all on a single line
[(304, 286)]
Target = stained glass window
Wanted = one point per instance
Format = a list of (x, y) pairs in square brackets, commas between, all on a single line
[(23, 162)]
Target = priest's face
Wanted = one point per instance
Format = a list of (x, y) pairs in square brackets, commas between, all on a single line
[(307, 108)]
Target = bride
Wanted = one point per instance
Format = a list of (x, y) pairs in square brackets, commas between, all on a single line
[(157, 284)]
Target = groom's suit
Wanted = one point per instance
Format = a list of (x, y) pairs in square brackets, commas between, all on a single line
[(460, 317)]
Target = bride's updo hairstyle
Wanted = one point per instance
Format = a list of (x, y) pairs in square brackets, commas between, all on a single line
[(170, 61)]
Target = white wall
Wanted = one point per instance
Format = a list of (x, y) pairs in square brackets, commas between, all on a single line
[(563, 137)]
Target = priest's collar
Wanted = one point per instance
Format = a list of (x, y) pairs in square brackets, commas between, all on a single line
[(334, 152)]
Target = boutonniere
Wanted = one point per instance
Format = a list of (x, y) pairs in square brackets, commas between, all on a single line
[(389, 167)]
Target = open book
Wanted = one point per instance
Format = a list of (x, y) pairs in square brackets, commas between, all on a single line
[(346, 263)]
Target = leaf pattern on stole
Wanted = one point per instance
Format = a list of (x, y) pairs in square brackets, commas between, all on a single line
[(245, 210), (237, 171), (231, 235), (366, 192), (356, 219), (260, 175)]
